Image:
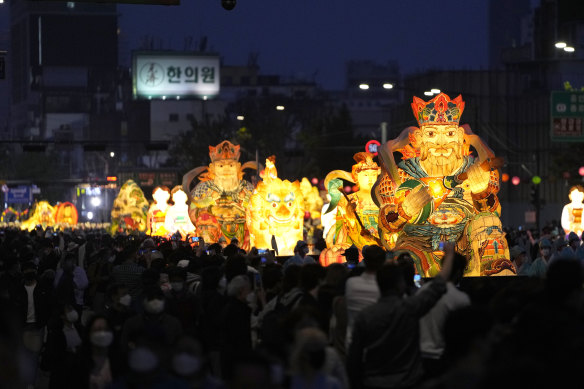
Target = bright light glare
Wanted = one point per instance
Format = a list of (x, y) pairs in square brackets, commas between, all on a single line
[(387, 86), (95, 201), (428, 93), (240, 117), (569, 49), (364, 86), (561, 45), (90, 215), (435, 91), (112, 154), (280, 107)]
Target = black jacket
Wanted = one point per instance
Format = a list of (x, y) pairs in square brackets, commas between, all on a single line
[(43, 302)]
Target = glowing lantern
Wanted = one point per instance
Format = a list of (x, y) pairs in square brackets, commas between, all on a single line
[(515, 180), (581, 171), (314, 180), (536, 180), (566, 175), (505, 177), (348, 189), (355, 188)]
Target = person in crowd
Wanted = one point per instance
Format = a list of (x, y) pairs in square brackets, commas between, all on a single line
[(300, 257), (180, 303), (71, 282), (520, 260), (118, 310), (406, 262), (393, 324), (332, 287), (540, 265), (236, 324), (61, 356), (101, 363), (154, 320), (571, 250), (432, 324), (308, 359), (188, 363), (129, 273), (363, 290), (99, 271)]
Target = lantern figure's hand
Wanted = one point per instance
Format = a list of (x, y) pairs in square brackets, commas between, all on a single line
[(416, 200)]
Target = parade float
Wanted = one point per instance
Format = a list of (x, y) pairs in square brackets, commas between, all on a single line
[(572, 220), (42, 214), (218, 202), (10, 215), (129, 211), (356, 213), (157, 212), (276, 212), (66, 215), (177, 216), (440, 192)]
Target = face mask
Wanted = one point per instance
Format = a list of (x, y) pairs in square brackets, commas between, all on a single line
[(177, 286), (185, 364), (111, 259), (154, 306), (142, 360), (101, 338), (305, 250), (72, 316), (126, 300), (545, 252)]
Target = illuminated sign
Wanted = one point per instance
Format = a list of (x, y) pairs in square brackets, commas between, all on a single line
[(567, 116), (371, 146), (175, 76)]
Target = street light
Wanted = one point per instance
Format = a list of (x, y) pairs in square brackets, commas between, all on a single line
[(435, 91), (240, 117), (569, 49), (280, 107), (387, 85), (112, 154), (428, 93), (95, 201), (364, 86), (560, 45)]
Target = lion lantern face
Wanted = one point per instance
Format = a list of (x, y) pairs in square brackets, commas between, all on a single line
[(277, 208)]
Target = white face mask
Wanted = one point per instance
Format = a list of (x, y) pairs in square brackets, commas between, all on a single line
[(154, 306), (101, 338), (177, 286), (142, 360), (545, 252), (185, 364), (72, 316), (126, 300)]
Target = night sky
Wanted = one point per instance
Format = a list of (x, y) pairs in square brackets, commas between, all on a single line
[(301, 37)]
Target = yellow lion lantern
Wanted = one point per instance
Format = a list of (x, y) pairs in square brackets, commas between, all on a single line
[(276, 212)]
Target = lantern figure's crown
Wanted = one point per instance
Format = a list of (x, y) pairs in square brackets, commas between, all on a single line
[(439, 110), (224, 150)]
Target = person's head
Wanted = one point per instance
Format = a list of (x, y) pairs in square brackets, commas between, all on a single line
[(239, 287), (68, 263), (291, 278), (68, 314), (29, 272), (235, 266), (177, 276), (351, 254), (187, 359), (215, 249), (374, 257), (576, 194), (235, 242), (301, 248), (517, 254), (311, 275), (336, 274), (573, 240), (390, 279), (118, 294), (222, 241), (439, 138), (459, 264), (545, 248), (154, 301), (408, 267), (309, 351), (230, 250), (99, 332)]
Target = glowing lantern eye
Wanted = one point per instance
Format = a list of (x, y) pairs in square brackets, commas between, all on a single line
[(290, 203), (431, 134), (451, 133), (274, 205)]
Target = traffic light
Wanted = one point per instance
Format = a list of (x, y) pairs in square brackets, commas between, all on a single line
[(534, 195)]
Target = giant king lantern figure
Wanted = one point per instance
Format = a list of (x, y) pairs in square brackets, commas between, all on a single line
[(440, 192), (219, 201)]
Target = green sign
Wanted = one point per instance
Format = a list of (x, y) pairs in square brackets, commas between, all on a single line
[(567, 116)]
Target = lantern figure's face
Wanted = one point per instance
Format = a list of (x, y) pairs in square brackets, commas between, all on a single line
[(441, 148), (226, 173), (161, 196), (282, 205), (179, 197), (576, 196), (366, 178)]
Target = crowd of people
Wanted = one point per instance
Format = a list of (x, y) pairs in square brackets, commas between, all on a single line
[(83, 309)]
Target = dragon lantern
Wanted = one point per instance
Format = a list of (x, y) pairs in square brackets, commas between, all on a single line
[(129, 209), (219, 201), (276, 212), (439, 192), (43, 214)]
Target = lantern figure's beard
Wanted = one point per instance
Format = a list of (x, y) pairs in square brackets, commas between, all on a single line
[(441, 160), (227, 182)]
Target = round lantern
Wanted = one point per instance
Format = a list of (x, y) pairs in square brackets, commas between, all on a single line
[(515, 180)]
